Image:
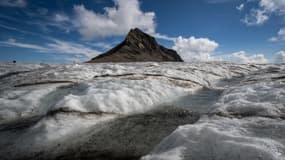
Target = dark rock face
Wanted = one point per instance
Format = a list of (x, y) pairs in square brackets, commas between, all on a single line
[(138, 47)]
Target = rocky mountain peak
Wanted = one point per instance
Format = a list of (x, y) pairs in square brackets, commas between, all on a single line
[(136, 35), (138, 47), (139, 39)]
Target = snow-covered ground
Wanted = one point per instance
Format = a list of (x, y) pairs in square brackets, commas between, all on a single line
[(48, 110)]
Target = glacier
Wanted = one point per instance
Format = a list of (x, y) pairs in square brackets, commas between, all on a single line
[(148, 111)]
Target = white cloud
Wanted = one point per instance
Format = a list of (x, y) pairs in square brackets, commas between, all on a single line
[(273, 39), (240, 7), (219, 1), (241, 57), (265, 9), (117, 20), (280, 57), (195, 49), (273, 6), (59, 17), (280, 36), (12, 42), (71, 48), (256, 17), (59, 20), (55, 46), (164, 37), (13, 3), (201, 49), (15, 29)]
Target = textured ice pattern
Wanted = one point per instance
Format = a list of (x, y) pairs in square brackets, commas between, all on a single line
[(247, 122), (48, 108), (225, 138), (107, 88), (265, 99)]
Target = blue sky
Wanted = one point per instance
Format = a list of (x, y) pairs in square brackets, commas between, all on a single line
[(63, 31)]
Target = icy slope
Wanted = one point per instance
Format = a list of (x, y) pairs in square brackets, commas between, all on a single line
[(47, 111), (108, 88), (247, 122), (252, 138)]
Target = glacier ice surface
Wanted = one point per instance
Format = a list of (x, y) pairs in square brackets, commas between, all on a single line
[(49, 108), (246, 122)]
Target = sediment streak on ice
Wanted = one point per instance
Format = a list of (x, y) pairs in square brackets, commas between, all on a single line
[(43, 107), (247, 122)]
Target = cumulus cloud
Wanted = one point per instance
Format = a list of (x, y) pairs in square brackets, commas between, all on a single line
[(117, 20), (13, 3), (195, 49), (281, 33), (265, 9), (256, 17), (280, 36), (55, 46), (273, 6), (201, 50), (280, 57), (242, 57)]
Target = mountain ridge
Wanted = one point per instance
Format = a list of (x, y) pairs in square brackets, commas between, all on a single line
[(138, 47)]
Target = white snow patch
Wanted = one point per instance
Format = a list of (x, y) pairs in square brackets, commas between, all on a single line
[(172, 154), (260, 99), (123, 96), (24, 102), (222, 138)]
